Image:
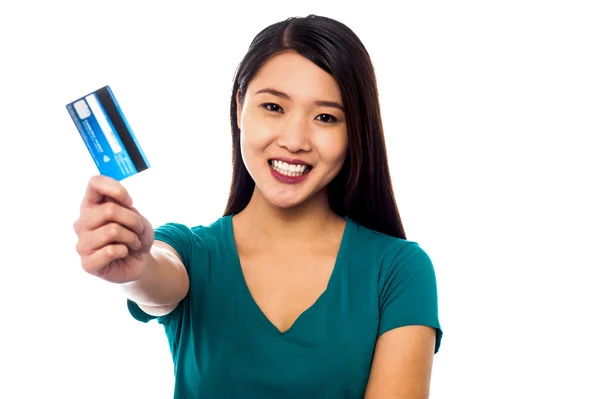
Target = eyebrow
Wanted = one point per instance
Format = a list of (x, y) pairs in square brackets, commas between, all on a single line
[(321, 103)]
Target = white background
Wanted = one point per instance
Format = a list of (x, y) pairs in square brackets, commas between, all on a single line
[(491, 114)]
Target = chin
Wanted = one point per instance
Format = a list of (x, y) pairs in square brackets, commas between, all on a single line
[(287, 199), (284, 201)]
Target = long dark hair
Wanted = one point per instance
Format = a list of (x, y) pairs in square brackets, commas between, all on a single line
[(362, 190)]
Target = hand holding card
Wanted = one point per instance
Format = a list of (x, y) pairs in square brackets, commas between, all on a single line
[(114, 239)]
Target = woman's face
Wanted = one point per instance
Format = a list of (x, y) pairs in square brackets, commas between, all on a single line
[(293, 130)]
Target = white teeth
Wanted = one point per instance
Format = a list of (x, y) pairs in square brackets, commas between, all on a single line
[(289, 170)]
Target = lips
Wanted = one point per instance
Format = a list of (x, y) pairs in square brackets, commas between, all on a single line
[(290, 169), (287, 173)]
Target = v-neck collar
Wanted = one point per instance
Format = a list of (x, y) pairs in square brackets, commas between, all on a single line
[(246, 290)]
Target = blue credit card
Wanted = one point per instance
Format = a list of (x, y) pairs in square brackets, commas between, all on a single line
[(107, 135)]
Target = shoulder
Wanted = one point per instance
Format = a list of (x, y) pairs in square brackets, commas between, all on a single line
[(215, 229), (190, 239), (392, 261), (389, 250)]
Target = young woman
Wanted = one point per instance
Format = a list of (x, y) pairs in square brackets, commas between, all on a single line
[(307, 286)]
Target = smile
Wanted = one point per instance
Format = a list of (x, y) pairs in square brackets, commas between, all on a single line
[(287, 169), (289, 173)]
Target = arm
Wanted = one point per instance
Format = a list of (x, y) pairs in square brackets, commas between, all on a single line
[(163, 284), (402, 364), (118, 244)]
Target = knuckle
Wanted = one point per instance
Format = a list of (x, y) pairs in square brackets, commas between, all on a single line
[(83, 247), (113, 230), (120, 191), (111, 210), (110, 250), (115, 251), (79, 247), (80, 224), (94, 181), (85, 264)]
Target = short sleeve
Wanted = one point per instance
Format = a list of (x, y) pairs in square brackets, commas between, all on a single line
[(180, 237), (408, 291)]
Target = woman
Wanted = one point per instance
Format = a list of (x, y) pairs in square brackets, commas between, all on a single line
[(307, 286)]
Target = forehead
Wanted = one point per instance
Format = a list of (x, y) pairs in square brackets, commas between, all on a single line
[(296, 76)]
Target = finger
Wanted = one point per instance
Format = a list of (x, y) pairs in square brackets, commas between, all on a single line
[(111, 233), (133, 208), (97, 260), (100, 188), (110, 212)]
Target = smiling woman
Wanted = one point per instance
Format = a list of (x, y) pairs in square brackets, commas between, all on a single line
[(307, 285)]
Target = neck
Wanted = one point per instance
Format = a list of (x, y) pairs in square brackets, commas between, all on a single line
[(304, 222)]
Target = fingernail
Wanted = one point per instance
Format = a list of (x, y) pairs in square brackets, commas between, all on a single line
[(137, 245)]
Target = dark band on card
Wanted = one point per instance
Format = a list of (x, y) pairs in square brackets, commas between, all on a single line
[(112, 112)]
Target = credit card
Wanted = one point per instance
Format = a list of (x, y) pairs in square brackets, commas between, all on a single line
[(107, 135)]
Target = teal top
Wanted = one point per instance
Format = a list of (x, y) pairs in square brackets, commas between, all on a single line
[(223, 346)]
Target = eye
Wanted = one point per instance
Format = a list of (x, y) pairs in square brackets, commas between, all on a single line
[(272, 107), (326, 118)]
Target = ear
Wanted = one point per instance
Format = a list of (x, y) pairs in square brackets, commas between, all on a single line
[(239, 108)]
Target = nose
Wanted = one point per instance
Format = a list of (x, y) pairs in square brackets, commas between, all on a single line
[(295, 134)]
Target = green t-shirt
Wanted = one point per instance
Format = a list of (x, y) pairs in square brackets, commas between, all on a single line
[(223, 346)]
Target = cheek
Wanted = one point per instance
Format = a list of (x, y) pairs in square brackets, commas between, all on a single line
[(332, 147), (255, 134)]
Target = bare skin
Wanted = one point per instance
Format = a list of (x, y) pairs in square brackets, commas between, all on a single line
[(287, 260)]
